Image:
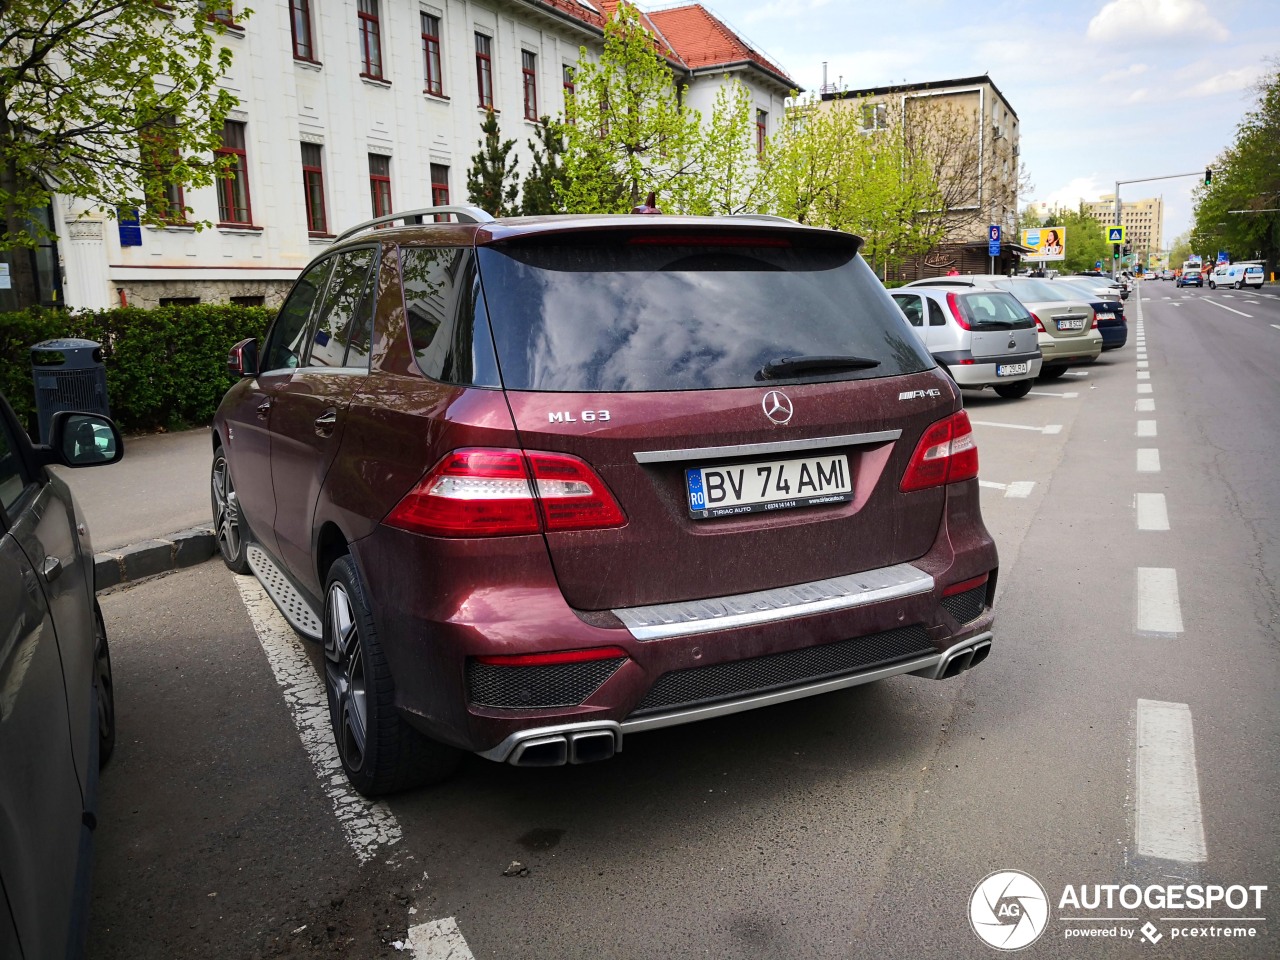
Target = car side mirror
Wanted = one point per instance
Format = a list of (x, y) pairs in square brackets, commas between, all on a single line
[(81, 440), (243, 359)]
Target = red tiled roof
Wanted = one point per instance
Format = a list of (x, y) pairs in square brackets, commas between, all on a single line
[(576, 11), (703, 41)]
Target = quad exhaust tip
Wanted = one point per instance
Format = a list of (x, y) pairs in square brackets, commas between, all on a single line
[(963, 656), (556, 748)]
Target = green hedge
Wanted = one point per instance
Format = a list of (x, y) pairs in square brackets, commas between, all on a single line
[(166, 368)]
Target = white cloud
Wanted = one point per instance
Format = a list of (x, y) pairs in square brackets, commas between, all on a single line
[(1227, 82), (1129, 20), (1131, 71), (781, 8), (1139, 96), (1070, 195)]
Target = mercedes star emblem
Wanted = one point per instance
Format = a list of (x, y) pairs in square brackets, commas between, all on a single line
[(777, 406)]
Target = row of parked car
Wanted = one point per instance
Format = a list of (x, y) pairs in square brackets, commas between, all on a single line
[(1004, 332)]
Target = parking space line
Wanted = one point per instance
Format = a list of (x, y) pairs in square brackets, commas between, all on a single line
[(369, 826), (1152, 512), (1048, 430), (1077, 373), (1276, 325), (1146, 428), (1018, 490), (1232, 309), (438, 940), (1149, 460), (1167, 816), (1070, 395), (1156, 610), (1144, 405)]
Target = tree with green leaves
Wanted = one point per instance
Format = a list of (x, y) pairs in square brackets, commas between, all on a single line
[(541, 193), (492, 180), (112, 103), (728, 163), (628, 132)]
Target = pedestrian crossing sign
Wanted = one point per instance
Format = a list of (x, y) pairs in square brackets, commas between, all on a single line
[(1115, 234)]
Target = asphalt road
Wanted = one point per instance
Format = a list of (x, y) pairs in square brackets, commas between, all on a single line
[(1123, 731)]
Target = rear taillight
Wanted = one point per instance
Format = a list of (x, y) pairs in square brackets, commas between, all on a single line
[(1094, 325), (945, 454), (485, 492), (953, 302), (965, 586), (1039, 325)]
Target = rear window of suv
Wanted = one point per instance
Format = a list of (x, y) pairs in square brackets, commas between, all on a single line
[(631, 312)]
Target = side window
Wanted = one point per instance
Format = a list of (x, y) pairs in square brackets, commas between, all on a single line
[(285, 342), (448, 326), (345, 307), (13, 479), (910, 304), (936, 317)]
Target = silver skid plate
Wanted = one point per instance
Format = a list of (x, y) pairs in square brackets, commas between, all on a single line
[(291, 603)]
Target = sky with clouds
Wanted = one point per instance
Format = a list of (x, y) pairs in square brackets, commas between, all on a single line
[(1104, 90)]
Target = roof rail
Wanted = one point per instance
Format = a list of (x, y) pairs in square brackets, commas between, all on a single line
[(772, 218), (464, 215)]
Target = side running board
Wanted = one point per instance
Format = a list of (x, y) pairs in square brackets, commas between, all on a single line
[(292, 604)]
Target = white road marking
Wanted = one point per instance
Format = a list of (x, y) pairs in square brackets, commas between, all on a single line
[(1153, 514), (1146, 428), (1156, 609), (439, 940), (1144, 388), (1228, 295), (1167, 815), (1144, 374), (1254, 302), (1149, 460), (1175, 304), (1144, 405), (369, 826), (1276, 325), (1070, 395), (1232, 309), (1142, 364), (1077, 373), (1018, 490), (1050, 429)]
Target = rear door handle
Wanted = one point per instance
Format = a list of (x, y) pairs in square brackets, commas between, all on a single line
[(326, 422), (264, 408), (51, 569)]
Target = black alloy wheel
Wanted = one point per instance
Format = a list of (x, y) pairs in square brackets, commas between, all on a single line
[(105, 687), (228, 525)]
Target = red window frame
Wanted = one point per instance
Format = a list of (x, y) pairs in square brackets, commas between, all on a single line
[(370, 39), (313, 189), (153, 152), (433, 75), (484, 69), (233, 145), (220, 11), (529, 73), (304, 39), (380, 184), (762, 133), (439, 187)]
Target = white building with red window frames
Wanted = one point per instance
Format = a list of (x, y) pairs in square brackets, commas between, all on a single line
[(354, 108)]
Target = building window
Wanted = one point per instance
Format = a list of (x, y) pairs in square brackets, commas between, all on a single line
[(233, 192), (179, 301), (875, 116), (484, 69), (313, 188), (219, 11), (168, 202), (370, 39), (434, 78), (439, 186), (380, 184), (567, 80), (762, 130), (249, 301), (300, 24), (529, 70)]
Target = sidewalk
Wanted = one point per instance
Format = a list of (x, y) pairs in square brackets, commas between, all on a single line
[(150, 512)]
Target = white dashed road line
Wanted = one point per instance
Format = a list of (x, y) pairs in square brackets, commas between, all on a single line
[(1144, 374), (1156, 610), (438, 940), (1149, 460), (1152, 512), (370, 827), (1276, 325), (1232, 309), (1167, 815), (1049, 430), (1146, 428), (1144, 405), (1144, 388)]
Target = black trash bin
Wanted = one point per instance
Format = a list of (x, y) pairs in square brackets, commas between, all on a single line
[(68, 375)]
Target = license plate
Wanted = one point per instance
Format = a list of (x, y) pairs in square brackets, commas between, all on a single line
[(1106, 316), (1071, 324), (738, 488), (1011, 369)]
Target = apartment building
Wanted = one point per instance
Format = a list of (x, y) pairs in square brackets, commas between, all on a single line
[(975, 132), (1143, 221), (350, 109)]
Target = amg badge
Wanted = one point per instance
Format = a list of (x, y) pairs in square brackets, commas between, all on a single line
[(920, 394)]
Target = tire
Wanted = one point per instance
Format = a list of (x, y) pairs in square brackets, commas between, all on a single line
[(1052, 373), (229, 527), (380, 752), (1013, 391), (104, 686), (1212, 285), (1239, 284)]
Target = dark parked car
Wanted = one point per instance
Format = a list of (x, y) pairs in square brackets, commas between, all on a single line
[(57, 709), (1107, 307), (537, 483)]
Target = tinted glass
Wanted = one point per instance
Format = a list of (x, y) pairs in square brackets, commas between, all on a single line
[(285, 342), (936, 317), (448, 327), (1027, 289), (618, 313), (346, 306), (911, 309), (12, 480), (989, 310)]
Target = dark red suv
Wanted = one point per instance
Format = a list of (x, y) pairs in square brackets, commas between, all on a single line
[(537, 483)]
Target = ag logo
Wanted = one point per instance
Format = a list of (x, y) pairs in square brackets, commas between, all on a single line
[(1008, 910)]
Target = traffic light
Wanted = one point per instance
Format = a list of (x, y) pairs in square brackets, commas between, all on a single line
[(1208, 176)]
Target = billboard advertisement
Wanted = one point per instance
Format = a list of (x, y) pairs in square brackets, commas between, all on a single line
[(1045, 243)]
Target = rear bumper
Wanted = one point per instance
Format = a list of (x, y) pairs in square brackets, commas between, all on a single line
[(1114, 334), (718, 656), (970, 371), (1066, 350)]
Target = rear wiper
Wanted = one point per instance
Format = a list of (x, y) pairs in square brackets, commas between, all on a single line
[(798, 366)]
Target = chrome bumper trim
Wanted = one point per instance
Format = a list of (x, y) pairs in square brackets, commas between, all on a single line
[(663, 621), (763, 449)]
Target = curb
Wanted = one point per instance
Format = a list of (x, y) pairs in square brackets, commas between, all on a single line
[(183, 549)]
